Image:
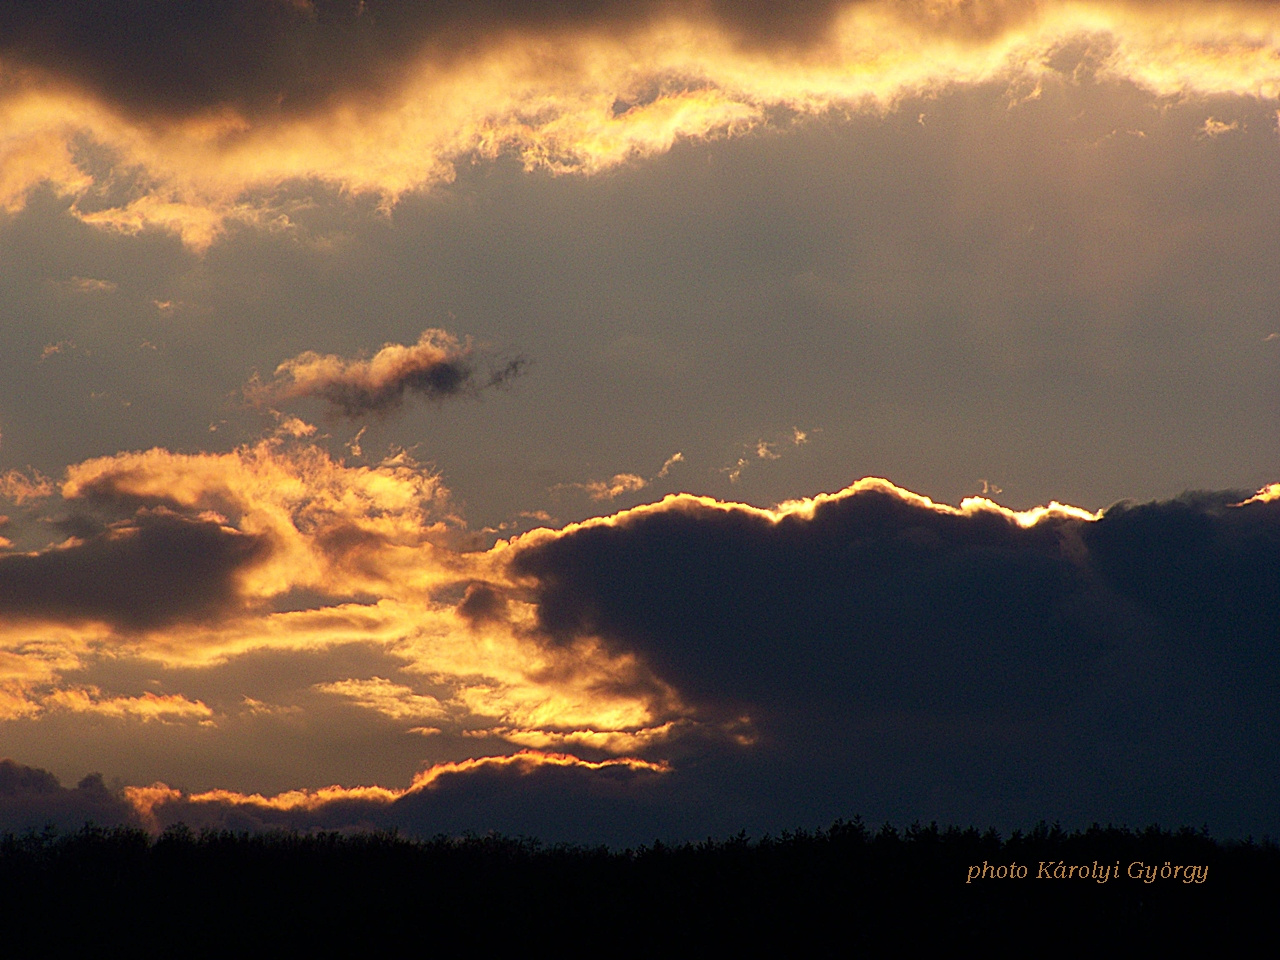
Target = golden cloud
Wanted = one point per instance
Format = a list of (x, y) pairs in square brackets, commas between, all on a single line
[(390, 699), (584, 96), (147, 707), (1268, 494), (339, 529), (373, 556)]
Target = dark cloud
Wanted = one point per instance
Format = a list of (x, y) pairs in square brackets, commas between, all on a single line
[(155, 569), (895, 660), (959, 665), (874, 597), (31, 799), (292, 56), (482, 603), (570, 803), (434, 368)]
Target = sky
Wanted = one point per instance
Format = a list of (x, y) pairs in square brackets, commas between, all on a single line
[(602, 421)]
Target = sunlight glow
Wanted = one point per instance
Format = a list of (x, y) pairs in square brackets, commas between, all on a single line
[(583, 100)]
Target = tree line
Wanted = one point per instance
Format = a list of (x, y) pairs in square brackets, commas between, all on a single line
[(824, 892)]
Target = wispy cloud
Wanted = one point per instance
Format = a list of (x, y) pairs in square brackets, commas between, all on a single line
[(93, 285), (21, 487), (53, 349), (1213, 129), (390, 699), (764, 450), (620, 483)]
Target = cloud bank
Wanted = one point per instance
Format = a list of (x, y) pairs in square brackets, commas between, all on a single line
[(187, 123)]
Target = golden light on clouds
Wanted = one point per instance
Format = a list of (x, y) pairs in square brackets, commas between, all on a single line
[(586, 97), (331, 527), (145, 800), (1268, 494), (368, 613), (332, 532), (374, 558), (148, 706), (20, 487)]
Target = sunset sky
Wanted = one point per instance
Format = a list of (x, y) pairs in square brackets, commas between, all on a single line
[(604, 420)]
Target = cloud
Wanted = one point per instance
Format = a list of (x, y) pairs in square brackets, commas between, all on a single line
[(1267, 494), (182, 566), (531, 793), (216, 116), (265, 57), (942, 652), (144, 573), (92, 285), (147, 707), (333, 528), (31, 799), (20, 487), (620, 483), (695, 665), (52, 349), (728, 580), (764, 450), (391, 699), (1213, 129), (670, 462), (434, 368)]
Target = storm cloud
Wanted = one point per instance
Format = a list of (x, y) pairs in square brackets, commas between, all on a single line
[(956, 653), (529, 793), (869, 652)]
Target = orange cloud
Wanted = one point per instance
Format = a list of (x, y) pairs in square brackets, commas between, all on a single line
[(368, 548), (334, 528), (581, 96), (609, 741), (619, 484), (390, 699), (148, 707)]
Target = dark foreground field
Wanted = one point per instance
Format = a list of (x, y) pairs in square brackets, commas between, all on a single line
[(225, 894)]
